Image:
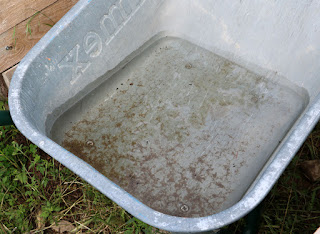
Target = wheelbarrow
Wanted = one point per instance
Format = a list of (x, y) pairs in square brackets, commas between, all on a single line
[(185, 113)]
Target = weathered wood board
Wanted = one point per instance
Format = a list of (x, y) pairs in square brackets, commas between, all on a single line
[(15, 42)]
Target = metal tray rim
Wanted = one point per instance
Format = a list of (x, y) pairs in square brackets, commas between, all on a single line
[(175, 224)]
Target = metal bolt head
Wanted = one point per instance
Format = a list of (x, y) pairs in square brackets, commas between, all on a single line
[(90, 143), (184, 208)]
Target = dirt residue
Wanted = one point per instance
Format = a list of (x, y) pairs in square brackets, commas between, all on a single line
[(179, 138), (76, 147)]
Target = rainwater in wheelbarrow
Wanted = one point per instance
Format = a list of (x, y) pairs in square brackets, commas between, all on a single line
[(181, 129), (185, 113)]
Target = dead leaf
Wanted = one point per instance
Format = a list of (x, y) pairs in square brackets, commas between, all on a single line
[(63, 226), (39, 221), (311, 169)]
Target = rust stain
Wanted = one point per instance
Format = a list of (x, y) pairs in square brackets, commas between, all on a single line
[(173, 143)]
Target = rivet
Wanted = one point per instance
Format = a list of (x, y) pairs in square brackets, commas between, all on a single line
[(90, 143), (184, 208)]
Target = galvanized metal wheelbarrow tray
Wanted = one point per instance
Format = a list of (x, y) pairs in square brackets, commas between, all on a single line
[(185, 113)]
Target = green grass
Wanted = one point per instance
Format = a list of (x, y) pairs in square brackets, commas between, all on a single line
[(293, 205), (36, 192), (28, 28), (28, 24)]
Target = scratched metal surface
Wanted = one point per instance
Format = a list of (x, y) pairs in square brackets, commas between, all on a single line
[(180, 128)]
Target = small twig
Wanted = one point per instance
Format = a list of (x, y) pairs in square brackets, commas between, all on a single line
[(7, 190), (73, 182), (82, 225), (70, 192), (285, 214), (65, 211), (4, 231), (37, 231)]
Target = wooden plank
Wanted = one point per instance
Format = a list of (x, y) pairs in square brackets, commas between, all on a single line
[(3, 90), (7, 75), (14, 43), (13, 12)]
